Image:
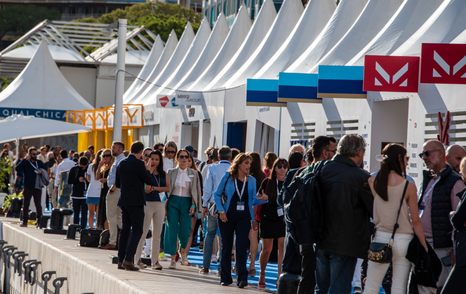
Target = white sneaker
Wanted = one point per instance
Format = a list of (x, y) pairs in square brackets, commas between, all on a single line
[(141, 265), (157, 266), (172, 265), (213, 258)]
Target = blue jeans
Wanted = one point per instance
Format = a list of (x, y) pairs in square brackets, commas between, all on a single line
[(334, 273), (212, 227)]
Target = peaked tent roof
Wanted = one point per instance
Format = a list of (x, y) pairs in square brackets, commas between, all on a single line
[(167, 53), (315, 16), (198, 44), (42, 86), (283, 25), (344, 16), (409, 18), (58, 53), (445, 25), (376, 13), (238, 32), (180, 52), (151, 62), (258, 31), (213, 45)]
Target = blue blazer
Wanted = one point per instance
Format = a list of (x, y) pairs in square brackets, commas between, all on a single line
[(227, 183)]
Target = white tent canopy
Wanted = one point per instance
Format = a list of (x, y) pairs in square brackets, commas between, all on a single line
[(42, 86), (28, 127)]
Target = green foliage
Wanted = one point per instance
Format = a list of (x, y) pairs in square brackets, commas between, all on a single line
[(9, 199), (17, 20), (159, 18), (6, 168), (4, 82)]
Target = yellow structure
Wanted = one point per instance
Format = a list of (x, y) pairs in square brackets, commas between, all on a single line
[(100, 120)]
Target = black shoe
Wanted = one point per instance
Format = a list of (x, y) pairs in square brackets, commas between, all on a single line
[(23, 225), (242, 284), (225, 283), (120, 266), (129, 266)]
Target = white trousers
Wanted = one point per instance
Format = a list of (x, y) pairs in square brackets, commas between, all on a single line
[(401, 266), (113, 214), (154, 213)]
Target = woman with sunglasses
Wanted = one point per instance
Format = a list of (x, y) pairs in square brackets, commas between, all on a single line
[(234, 199), (270, 217), (101, 175), (93, 191), (154, 210), (182, 202)]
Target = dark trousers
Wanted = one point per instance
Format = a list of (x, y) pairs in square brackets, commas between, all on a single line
[(240, 227), (291, 257), (334, 273), (80, 212), (131, 232), (28, 194), (308, 267), (456, 281)]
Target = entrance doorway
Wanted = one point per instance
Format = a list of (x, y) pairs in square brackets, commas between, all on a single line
[(236, 135), (389, 125), (190, 134), (265, 139)]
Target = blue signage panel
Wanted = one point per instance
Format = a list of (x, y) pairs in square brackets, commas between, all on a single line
[(42, 113), (297, 87), (336, 81), (262, 92)]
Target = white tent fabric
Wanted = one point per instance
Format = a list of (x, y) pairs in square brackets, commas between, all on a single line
[(154, 56), (213, 45), (133, 57), (409, 18), (376, 13), (168, 51), (258, 31), (233, 41), (28, 127), (344, 16), (312, 22), (198, 44), (182, 48), (445, 24), (286, 20), (58, 53), (42, 86)]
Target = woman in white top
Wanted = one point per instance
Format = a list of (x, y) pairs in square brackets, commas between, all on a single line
[(387, 188), (93, 191), (181, 205)]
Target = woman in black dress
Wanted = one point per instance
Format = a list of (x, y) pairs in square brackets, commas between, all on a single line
[(270, 217), (101, 175)]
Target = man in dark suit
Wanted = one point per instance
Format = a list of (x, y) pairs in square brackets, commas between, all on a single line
[(131, 175)]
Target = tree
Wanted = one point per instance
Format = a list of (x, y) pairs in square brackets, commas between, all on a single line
[(159, 18), (18, 20)]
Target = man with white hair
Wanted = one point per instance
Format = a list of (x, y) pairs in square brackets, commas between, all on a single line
[(455, 153)]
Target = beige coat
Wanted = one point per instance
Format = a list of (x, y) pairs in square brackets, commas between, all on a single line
[(195, 185)]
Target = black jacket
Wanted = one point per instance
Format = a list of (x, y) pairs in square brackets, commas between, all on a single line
[(131, 175), (459, 220), (27, 169), (79, 188), (347, 203)]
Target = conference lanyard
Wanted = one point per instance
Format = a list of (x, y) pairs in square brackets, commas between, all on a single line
[(240, 195), (156, 180)]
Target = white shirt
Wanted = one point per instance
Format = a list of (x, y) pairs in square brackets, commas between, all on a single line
[(94, 186), (112, 174), (63, 167), (168, 164), (182, 183)]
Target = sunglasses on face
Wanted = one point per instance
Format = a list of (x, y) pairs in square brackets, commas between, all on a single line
[(427, 153), (183, 157), (33, 154), (170, 152), (147, 155), (280, 166), (107, 155)]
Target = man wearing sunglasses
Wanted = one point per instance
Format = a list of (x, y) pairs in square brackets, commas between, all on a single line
[(440, 186), (30, 168)]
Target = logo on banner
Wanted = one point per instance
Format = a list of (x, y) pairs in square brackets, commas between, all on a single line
[(443, 64), (165, 101), (391, 73), (185, 98)]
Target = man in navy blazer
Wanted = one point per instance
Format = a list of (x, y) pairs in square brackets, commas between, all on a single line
[(131, 175)]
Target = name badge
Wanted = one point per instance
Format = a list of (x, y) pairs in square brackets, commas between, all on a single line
[(280, 211), (240, 206)]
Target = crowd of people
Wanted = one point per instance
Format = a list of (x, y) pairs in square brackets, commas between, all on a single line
[(233, 201)]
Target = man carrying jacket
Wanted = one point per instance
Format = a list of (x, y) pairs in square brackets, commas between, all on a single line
[(440, 187), (347, 207)]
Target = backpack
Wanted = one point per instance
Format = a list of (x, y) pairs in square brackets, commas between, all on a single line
[(303, 213)]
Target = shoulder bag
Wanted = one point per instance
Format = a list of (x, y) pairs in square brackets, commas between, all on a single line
[(382, 252)]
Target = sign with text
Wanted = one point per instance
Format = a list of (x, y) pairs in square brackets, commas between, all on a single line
[(42, 113), (189, 98), (166, 101), (443, 64), (391, 73)]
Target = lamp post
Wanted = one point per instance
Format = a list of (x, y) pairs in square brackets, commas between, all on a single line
[(120, 81)]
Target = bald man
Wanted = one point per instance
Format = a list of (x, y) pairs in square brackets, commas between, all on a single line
[(454, 155), (440, 187)]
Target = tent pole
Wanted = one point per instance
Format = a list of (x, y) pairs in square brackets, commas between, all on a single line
[(17, 148), (120, 81)]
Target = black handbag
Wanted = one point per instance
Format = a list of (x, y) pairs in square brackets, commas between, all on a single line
[(382, 252)]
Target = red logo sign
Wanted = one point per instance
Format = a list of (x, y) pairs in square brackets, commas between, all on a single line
[(443, 64), (164, 101), (391, 73)]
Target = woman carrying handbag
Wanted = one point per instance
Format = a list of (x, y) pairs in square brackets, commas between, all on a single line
[(396, 218)]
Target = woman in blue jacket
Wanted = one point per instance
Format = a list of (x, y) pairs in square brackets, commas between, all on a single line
[(234, 199)]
